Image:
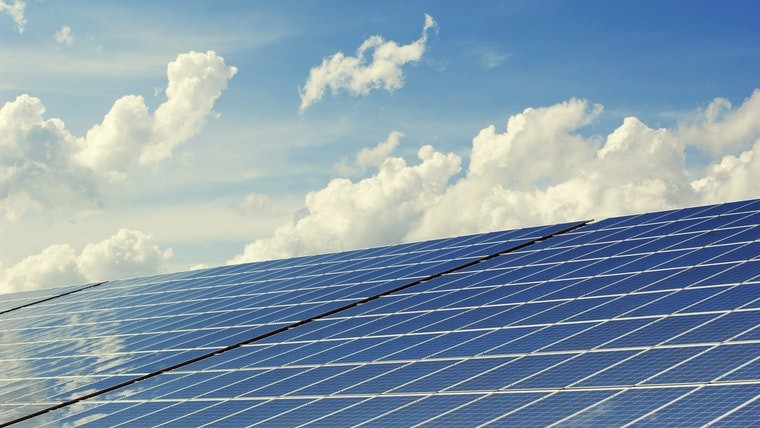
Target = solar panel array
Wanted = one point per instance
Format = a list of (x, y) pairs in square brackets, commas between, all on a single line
[(641, 320)]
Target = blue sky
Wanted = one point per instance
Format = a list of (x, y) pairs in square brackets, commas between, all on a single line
[(235, 188)]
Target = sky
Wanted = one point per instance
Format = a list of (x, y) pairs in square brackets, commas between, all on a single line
[(147, 137)]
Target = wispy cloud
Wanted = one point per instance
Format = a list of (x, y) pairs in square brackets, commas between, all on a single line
[(359, 76), (64, 36), (16, 11)]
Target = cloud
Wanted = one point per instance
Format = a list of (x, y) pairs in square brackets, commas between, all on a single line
[(375, 210), (490, 57), (43, 167), (539, 170), (63, 36), (127, 253), (16, 11), (358, 75), (369, 156), (722, 129), (129, 133)]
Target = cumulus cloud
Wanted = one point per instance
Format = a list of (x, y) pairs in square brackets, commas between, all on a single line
[(16, 11), (539, 170), (44, 167), (375, 210), (720, 128), (369, 156), (63, 36), (357, 74), (127, 253)]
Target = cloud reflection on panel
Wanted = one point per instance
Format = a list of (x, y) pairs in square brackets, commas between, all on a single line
[(541, 169)]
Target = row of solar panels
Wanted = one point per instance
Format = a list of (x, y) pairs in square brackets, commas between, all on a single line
[(647, 319)]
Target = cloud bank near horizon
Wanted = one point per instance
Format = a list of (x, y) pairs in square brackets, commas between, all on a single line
[(127, 253), (539, 170)]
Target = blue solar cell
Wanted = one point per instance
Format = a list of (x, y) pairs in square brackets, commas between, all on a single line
[(260, 411), (395, 378), (676, 301), (238, 383), (600, 333), (749, 234), (421, 410), (362, 349), (642, 366), (700, 255), (456, 372), (351, 375), (744, 416), (624, 407), (444, 344), (586, 286), (660, 331), (721, 329), (743, 373), (362, 411), (616, 306), (687, 277), (566, 310), (480, 342), (538, 338), (702, 406), (508, 374), (309, 411), (734, 274), (733, 297), (574, 369), (484, 409), (710, 365), (552, 409)]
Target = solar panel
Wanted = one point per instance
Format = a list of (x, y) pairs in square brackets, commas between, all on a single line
[(644, 319)]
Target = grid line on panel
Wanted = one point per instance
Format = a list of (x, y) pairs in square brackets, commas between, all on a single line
[(296, 324)]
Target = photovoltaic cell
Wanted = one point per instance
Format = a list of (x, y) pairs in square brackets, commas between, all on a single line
[(644, 319)]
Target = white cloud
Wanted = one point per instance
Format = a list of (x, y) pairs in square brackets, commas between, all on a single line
[(539, 170), (370, 156), (127, 253), (376, 210), (129, 133), (357, 74), (732, 178), (721, 129), (16, 11), (63, 36), (44, 167)]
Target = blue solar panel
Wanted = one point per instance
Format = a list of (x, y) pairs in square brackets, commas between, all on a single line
[(644, 319)]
